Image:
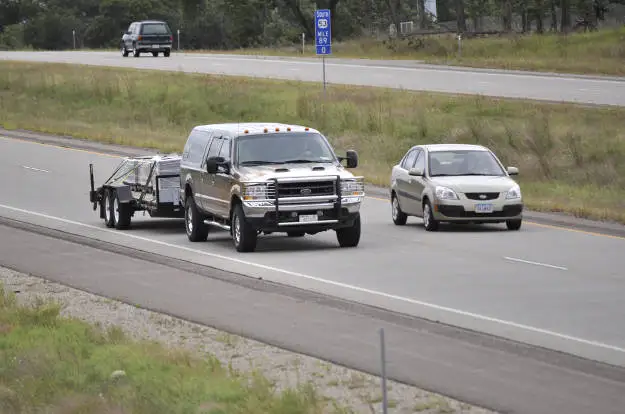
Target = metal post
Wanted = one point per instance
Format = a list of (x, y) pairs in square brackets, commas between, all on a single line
[(383, 362), (303, 43), (323, 58), (74, 38), (460, 44), (178, 39)]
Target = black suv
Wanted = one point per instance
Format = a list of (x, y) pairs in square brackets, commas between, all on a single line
[(148, 36)]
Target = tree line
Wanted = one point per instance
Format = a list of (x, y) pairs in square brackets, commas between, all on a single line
[(231, 24)]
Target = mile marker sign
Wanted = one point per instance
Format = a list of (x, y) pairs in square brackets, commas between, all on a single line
[(323, 32)]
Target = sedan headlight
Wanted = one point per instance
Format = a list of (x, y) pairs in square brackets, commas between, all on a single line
[(513, 193), (254, 192), (444, 193)]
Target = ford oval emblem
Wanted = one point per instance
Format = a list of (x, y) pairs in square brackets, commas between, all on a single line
[(305, 191)]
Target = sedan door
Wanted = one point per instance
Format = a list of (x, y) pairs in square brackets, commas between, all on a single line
[(405, 196), (416, 185)]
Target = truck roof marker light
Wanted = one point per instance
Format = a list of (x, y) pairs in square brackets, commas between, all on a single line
[(288, 129), (265, 130), (246, 131), (306, 129), (277, 129)]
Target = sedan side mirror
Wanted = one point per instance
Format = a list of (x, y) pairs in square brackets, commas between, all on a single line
[(213, 164), (513, 171), (352, 159), (416, 172)]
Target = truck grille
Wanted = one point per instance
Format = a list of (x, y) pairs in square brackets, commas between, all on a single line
[(304, 189)]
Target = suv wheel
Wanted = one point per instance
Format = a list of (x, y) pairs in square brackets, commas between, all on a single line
[(244, 236), (166, 53), (349, 236), (135, 51), (399, 217), (429, 222), (196, 229), (124, 51)]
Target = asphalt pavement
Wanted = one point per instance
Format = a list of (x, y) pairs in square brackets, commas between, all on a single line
[(543, 286), (390, 74)]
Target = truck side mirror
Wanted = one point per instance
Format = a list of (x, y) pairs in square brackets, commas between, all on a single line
[(213, 164), (352, 159)]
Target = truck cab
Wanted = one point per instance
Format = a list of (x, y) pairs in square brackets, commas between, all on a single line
[(263, 178)]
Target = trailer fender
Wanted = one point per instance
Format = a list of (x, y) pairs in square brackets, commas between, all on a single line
[(123, 193)]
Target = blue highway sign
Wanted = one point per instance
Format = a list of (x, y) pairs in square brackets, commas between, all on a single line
[(323, 32)]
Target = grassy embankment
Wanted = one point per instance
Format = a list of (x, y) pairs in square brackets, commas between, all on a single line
[(59, 365), (571, 158), (600, 52)]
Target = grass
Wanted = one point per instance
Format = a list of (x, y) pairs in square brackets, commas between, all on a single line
[(600, 52), (57, 365), (571, 158)]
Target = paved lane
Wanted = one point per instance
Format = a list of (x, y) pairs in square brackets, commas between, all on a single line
[(404, 75), (477, 278)]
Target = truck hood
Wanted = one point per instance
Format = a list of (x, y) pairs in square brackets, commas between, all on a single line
[(267, 172), (475, 184)]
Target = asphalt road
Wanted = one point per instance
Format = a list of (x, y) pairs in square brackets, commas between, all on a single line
[(544, 286), (391, 74)]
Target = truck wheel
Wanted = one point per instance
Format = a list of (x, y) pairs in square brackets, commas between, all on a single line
[(244, 235), (122, 213), (197, 230), (349, 236), (107, 202)]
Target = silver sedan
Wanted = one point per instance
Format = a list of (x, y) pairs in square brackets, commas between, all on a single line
[(455, 183)]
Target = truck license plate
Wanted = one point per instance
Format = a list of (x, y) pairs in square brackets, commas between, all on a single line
[(155, 46), (307, 218), (483, 208)]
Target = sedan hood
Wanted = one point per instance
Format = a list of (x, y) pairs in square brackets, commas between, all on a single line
[(475, 184), (267, 172)]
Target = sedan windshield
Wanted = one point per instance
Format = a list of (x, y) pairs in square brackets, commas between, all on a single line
[(463, 162), (283, 148)]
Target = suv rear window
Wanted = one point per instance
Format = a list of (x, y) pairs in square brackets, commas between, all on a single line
[(155, 29)]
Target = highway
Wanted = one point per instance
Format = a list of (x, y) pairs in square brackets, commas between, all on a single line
[(408, 75), (554, 288)]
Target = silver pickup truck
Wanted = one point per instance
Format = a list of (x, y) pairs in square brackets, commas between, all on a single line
[(254, 178)]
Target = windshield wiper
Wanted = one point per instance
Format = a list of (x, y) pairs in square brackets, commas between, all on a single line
[(252, 163), (304, 161)]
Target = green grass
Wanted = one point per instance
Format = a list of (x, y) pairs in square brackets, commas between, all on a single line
[(50, 364), (571, 158), (600, 52)]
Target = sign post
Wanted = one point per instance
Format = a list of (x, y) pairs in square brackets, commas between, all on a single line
[(323, 37)]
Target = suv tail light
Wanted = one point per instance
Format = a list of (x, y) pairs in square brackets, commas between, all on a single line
[(139, 38), (171, 38)]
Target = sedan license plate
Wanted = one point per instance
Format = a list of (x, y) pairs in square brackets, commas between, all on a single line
[(483, 208), (155, 46), (307, 218)]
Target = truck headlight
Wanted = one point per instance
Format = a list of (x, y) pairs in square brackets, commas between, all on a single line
[(513, 193), (444, 193), (254, 192), (352, 188)]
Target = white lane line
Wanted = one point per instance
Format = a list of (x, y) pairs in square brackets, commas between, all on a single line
[(514, 259), (34, 169), (331, 282)]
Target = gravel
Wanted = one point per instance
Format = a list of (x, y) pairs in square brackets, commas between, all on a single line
[(359, 391)]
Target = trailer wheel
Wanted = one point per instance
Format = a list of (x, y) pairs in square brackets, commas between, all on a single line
[(194, 224), (122, 213), (107, 205)]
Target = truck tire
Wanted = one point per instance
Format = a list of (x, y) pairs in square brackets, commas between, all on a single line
[(349, 236), (244, 235), (122, 213), (194, 224)]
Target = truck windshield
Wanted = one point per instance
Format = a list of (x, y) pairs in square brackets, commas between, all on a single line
[(283, 148)]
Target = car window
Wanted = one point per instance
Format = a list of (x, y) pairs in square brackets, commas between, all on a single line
[(196, 147), (224, 152), (154, 29), (213, 151), (409, 160), (464, 162), (420, 163)]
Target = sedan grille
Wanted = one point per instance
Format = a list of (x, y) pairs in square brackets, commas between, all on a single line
[(482, 196)]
